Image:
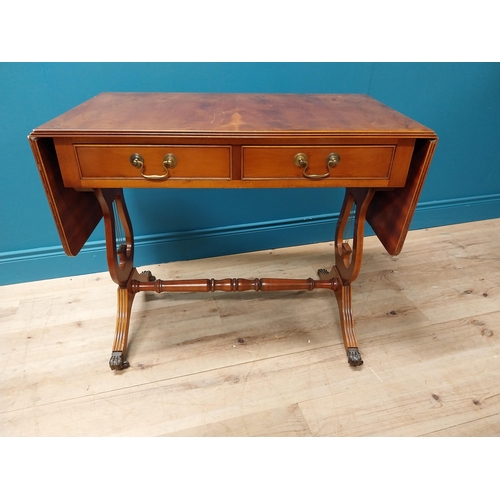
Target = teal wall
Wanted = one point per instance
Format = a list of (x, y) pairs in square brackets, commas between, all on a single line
[(460, 101)]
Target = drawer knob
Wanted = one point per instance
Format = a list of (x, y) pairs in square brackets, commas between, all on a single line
[(169, 161), (332, 160), (300, 160), (137, 160)]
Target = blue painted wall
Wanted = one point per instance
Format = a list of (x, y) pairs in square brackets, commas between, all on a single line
[(460, 101)]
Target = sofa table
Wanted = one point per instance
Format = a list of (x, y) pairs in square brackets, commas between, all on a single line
[(87, 155)]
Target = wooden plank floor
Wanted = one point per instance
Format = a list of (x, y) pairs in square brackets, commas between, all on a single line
[(254, 364)]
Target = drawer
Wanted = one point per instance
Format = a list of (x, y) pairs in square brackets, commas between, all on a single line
[(371, 162), (152, 162)]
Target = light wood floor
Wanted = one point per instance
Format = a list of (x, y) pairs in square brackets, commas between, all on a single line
[(254, 364)]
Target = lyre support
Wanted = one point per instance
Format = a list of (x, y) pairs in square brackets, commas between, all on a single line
[(120, 258), (120, 254), (119, 250), (348, 264)]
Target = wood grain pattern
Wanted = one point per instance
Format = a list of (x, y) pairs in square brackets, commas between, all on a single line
[(76, 214), (112, 162), (243, 365), (391, 212), (231, 114), (368, 162)]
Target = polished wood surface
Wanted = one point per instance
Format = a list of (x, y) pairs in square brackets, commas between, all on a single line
[(113, 162), (357, 162), (158, 140), (233, 285), (191, 114), (391, 212), (76, 214), (252, 364)]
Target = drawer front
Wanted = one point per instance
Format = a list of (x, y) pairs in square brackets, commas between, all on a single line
[(373, 162), (153, 163)]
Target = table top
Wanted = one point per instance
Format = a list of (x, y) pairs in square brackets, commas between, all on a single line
[(232, 115)]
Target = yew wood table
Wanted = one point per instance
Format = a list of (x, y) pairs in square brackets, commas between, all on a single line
[(174, 140)]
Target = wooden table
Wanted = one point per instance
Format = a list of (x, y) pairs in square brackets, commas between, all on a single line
[(173, 140)]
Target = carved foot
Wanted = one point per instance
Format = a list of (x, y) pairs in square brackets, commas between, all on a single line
[(325, 274), (354, 357), (116, 362), (146, 276)]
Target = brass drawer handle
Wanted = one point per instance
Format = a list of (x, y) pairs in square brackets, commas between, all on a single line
[(169, 161), (300, 160)]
